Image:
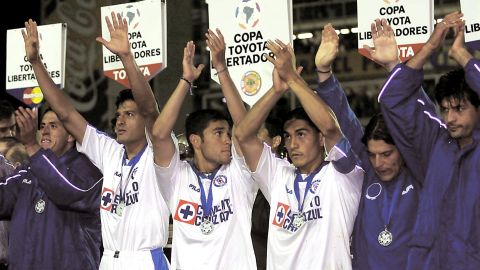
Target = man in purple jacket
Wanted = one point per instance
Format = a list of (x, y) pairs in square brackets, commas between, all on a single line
[(447, 230), (53, 203)]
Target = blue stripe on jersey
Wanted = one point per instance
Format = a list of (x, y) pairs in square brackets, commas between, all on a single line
[(159, 260)]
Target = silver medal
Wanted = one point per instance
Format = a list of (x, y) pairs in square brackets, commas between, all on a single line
[(385, 238), (40, 206), (206, 227), (298, 220), (120, 208)]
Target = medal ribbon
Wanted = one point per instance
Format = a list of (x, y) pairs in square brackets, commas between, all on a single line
[(132, 164), (386, 207), (206, 202), (308, 179)]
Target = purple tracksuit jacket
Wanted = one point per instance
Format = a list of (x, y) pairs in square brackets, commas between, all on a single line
[(447, 230), (53, 205)]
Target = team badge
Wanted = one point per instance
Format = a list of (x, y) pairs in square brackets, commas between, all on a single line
[(220, 180), (186, 212), (251, 83), (314, 186), (40, 206), (280, 214), (107, 199), (373, 191)]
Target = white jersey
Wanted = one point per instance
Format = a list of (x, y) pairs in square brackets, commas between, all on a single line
[(142, 225), (229, 245), (330, 208)]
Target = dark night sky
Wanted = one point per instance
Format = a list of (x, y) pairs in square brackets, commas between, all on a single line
[(18, 12)]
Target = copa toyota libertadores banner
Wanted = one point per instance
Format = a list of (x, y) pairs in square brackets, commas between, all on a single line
[(411, 20), (21, 82), (147, 33), (246, 26)]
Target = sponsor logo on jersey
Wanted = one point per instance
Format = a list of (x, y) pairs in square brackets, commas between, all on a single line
[(186, 212), (192, 213), (110, 200), (106, 199), (220, 180), (284, 215)]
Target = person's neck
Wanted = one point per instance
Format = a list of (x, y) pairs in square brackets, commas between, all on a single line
[(311, 167), (133, 149), (203, 165), (462, 142)]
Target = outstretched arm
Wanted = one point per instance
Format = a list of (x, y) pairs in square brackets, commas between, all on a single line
[(316, 108), (163, 145), (119, 45), (451, 20), (385, 51), (458, 51), (58, 100), (330, 90)]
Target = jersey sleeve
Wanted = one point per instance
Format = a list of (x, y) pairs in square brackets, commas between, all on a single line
[(166, 176), (244, 174), (410, 117), (342, 156), (74, 184), (267, 167), (98, 147)]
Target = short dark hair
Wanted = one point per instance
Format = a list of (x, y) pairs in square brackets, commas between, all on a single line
[(273, 126), (453, 85), (376, 129), (124, 95), (198, 121), (6, 109), (299, 114)]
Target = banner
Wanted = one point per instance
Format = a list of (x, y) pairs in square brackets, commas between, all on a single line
[(412, 23), (246, 26), (471, 10), (147, 33), (20, 78)]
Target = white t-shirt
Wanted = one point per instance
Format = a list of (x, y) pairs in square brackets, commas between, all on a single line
[(330, 208), (229, 246), (143, 224)]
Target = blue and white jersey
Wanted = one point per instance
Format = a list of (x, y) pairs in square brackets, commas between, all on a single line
[(330, 207), (229, 245), (143, 223)]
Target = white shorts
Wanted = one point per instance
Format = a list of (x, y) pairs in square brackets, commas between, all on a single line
[(134, 260)]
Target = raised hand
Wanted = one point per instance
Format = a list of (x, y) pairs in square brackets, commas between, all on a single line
[(190, 72), (385, 51), (458, 51), (328, 49), (450, 21), (27, 123), (118, 29), (30, 37), (216, 43), (284, 60)]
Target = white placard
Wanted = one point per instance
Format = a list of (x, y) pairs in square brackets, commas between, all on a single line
[(246, 26), (20, 78), (471, 11), (412, 22), (147, 33)]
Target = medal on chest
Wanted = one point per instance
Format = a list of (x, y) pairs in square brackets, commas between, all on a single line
[(385, 238), (40, 206), (207, 227), (299, 220)]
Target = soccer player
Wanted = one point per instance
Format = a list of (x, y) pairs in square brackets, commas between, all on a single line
[(53, 202), (211, 197), (133, 213), (447, 230), (389, 201), (315, 201)]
